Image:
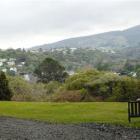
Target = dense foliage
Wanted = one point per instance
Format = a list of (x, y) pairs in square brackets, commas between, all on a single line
[(102, 86), (50, 70), (85, 85), (25, 91), (5, 92)]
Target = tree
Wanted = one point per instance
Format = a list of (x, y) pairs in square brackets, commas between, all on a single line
[(50, 70), (138, 73), (5, 92)]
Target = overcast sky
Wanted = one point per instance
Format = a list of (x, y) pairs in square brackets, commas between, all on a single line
[(26, 23)]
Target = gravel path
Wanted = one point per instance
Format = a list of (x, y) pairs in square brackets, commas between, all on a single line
[(17, 129)]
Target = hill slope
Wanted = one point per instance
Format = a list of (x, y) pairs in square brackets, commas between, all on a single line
[(114, 39)]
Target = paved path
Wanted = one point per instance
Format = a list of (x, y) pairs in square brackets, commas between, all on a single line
[(17, 129)]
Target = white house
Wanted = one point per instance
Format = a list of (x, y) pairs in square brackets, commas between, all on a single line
[(19, 65), (134, 74), (11, 63), (13, 69), (4, 70), (12, 59), (1, 64), (26, 77), (71, 72), (73, 49), (23, 63), (3, 60)]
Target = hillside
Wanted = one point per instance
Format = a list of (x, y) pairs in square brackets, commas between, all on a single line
[(115, 39)]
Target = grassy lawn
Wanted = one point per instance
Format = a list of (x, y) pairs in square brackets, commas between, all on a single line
[(102, 112)]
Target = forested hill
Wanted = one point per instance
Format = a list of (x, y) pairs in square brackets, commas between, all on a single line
[(115, 39)]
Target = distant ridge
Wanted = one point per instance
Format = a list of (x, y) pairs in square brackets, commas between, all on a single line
[(115, 39)]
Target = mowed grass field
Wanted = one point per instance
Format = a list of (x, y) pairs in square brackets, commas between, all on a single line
[(99, 112)]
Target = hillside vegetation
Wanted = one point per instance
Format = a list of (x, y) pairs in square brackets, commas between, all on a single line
[(124, 60)]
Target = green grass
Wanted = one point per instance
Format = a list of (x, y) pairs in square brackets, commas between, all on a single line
[(101, 112)]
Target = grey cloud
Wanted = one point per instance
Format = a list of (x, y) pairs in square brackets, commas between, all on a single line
[(51, 17)]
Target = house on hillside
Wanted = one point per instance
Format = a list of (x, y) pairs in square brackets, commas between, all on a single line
[(1, 64), (28, 77), (4, 70), (12, 59), (3, 60), (13, 69), (71, 72), (11, 63)]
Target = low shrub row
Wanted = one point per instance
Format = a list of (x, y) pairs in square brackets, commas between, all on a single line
[(86, 85), (100, 86)]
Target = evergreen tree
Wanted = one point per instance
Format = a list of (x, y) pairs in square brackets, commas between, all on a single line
[(50, 70), (5, 92)]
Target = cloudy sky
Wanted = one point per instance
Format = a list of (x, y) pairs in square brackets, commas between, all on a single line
[(26, 23)]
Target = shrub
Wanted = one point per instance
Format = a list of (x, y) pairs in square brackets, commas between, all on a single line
[(77, 81), (25, 91), (68, 96), (52, 87), (20, 88), (115, 88), (89, 85), (105, 86)]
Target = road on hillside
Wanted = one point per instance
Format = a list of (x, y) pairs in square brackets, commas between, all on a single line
[(18, 129)]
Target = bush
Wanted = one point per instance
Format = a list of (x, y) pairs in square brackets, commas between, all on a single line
[(115, 87), (72, 96), (77, 81), (105, 86), (20, 88), (52, 87), (25, 91), (68, 96), (89, 85)]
